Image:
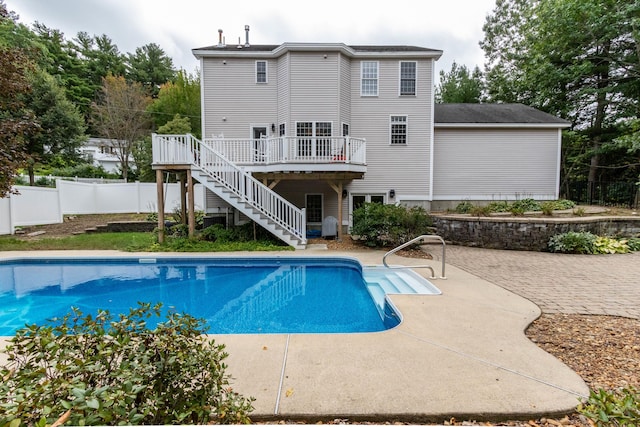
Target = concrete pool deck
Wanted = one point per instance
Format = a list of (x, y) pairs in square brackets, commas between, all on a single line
[(461, 354)]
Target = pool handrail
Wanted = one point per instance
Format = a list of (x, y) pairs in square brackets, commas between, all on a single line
[(425, 239)]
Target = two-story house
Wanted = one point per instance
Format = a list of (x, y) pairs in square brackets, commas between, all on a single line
[(298, 132)]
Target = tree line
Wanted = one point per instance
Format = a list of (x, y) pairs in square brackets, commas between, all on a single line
[(575, 59), (56, 92)]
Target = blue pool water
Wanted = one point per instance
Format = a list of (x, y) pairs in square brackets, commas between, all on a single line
[(234, 295)]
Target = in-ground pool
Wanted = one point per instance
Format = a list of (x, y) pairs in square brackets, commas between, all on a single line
[(233, 295)]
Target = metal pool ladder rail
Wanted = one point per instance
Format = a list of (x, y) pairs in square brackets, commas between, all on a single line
[(425, 238)]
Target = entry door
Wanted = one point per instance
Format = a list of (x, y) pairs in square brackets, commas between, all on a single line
[(259, 143)]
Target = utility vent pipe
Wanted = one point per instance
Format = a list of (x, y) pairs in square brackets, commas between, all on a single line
[(220, 42), (246, 32)]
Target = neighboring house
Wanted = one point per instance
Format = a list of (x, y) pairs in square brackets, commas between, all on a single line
[(297, 132), (103, 152)]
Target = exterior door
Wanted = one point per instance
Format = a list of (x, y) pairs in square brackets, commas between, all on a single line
[(259, 143)]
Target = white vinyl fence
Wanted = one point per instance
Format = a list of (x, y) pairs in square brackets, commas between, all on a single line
[(37, 205)]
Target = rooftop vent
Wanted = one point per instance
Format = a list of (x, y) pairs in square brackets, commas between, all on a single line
[(246, 32), (220, 39)]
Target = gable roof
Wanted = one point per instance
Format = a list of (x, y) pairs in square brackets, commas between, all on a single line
[(494, 115), (270, 50)]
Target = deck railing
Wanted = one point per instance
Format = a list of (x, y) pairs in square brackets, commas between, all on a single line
[(288, 149), (187, 150)]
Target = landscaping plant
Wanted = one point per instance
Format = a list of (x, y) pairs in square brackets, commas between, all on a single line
[(573, 242), (103, 370), (381, 225), (612, 408)]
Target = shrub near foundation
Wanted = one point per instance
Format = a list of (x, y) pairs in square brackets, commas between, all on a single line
[(106, 371)]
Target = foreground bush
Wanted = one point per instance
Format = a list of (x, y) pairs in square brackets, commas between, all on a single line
[(584, 242), (612, 408), (389, 225), (105, 371)]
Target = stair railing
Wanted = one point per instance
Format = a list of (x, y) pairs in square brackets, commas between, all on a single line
[(425, 239), (189, 150)]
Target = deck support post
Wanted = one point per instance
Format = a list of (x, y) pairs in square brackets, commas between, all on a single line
[(191, 201), (160, 192), (338, 189)]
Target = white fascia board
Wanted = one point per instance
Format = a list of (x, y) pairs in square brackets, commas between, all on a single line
[(501, 125)]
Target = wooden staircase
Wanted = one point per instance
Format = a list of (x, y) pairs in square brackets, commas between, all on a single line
[(235, 186)]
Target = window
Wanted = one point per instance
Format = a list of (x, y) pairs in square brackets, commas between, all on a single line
[(369, 78), (407, 78), (398, 130), (317, 130), (304, 129), (314, 208), (261, 71), (323, 145), (281, 130), (345, 129)]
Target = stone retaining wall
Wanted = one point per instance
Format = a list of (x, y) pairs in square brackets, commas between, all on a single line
[(522, 233)]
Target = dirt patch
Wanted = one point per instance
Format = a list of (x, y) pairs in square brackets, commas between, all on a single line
[(74, 224)]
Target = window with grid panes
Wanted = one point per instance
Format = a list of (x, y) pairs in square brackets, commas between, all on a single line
[(281, 129), (398, 130), (407, 78), (261, 71), (369, 78), (314, 208)]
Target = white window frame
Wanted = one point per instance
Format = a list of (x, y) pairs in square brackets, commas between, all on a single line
[(266, 72), (321, 207), (405, 122), (415, 78), (374, 80)]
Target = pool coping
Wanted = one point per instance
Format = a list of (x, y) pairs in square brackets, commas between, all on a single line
[(460, 354)]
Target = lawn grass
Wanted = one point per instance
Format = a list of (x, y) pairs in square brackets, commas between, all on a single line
[(133, 242)]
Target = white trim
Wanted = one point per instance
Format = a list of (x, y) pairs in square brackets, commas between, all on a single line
[(496, 197), (501, 125), (422, 198), (559, 163), (432, 143), (406, 134), (310, 47), (266, 71), (321, 208), (203, 109), (415, 80), (362, 95)]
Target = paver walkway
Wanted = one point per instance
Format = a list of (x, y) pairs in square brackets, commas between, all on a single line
[(558, 283)]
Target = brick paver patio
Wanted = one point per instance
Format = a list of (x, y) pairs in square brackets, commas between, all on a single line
[(559, 283)]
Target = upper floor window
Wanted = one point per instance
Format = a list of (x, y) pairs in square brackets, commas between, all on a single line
[(261, 71), (398, 130), (407, 78), (281, 129), (369, 78)]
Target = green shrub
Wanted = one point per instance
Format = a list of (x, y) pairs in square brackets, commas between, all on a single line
[(548, 208), (612, 408), (573, 242), (525, 205), (634, 244), (499, 206), (562, 204), (382, 225), (108, 371), (609, 245), (464, 207), (480, 211)]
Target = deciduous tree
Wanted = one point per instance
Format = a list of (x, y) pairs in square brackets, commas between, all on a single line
[(181, 96), (120, 115)]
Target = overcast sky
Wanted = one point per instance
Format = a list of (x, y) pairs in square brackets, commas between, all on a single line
[(177, 26)]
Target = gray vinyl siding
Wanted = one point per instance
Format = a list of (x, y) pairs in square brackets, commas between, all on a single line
[(284, 93), (314, 77), (345, 92), (246, 102), (295, 192), (402, 168), (495, 164)]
